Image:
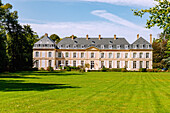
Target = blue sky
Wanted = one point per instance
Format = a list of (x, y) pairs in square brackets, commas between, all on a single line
[(81, 17)]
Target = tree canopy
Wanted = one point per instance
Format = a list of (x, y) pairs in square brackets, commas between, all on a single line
[(159, 15)]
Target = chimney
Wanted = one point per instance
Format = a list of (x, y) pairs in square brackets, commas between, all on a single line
[(150, 38), (46, 35), (99, 37), (137, 36), (114, 37), (87, 37), (72, 37)]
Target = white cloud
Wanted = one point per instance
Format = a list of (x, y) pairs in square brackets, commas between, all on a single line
[(145, 3)]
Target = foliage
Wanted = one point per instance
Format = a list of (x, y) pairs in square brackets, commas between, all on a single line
[(159, 15), (71, 37), (42, 69), (68, 68), (87, 65), (60, 68), (55, 38), (115, 70), (123, 70), (142, 70), (49, 68), (104, 69), (82, 70)]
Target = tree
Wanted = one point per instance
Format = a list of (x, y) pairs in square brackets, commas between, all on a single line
[(55, 38), (71, 37)]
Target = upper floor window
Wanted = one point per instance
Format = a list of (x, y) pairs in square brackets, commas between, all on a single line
[(102, 55), (74, 55), (126, 46), (126, 55), (49, 54), (134, 55), (141, 55), (67, 54), (82, 55), (37, 54), (92, 55), (59, 54), (147, 55), (118, 46), (110, 55), (118, 55)]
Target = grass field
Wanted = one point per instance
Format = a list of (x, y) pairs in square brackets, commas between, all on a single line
[(95, 92)]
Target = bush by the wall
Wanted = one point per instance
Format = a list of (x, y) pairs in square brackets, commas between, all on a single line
[(68, 68), (142, 70), (34, 69), (123, 70), (42, 69), (116, 70), (50, 68), (82, 70), (104, 69), (168, 69)]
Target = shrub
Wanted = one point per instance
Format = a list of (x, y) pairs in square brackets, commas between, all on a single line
[(50, 68), (94, 71), (116, 69), (34, 69), (104, 69), (42, 69), (68, 68), (123, 70), (142, 70), (168, 69), (82, 70), (60, 68)]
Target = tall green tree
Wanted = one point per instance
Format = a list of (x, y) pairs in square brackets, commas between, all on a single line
[(55, 38), (159, 15)]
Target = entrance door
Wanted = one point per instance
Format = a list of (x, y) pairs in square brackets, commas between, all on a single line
[(92, 64)]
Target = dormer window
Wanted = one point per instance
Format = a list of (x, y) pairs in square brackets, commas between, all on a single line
[(147, 46), (75, 42), (82, 46), (74, 46), (110, 46), (141, 46), (111, 42), (118, 46), (134, 46), (93, 42), (126, 46), (102, 46), (67, 46)]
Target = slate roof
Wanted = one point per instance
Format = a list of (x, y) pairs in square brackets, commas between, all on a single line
[(45, 40), (141, 41)]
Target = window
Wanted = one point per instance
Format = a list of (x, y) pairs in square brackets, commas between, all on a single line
[(110, 64), (43, 54), (126, 46), (67, 46), (74, 46), (82, 46), (49, 54), (134, 64), (82, 55), (147, 64), (147, 55), (110, 55), (74, 63), (93, 42), (74, 55), (59, 63), (49, 63), (82, 63), (118, 64), (66, 63), (126, 64), (37, 63), (92, 64), (118, 55), (37, 54), (141, 46), (134, 55), (110, 46), (102, 55), (102, 46), (66, 54), (134, 46), (147, 46), (59, 55), (118, 46), (141, 55), (126, 55), (141, 64), (92, 55), (102, 64)]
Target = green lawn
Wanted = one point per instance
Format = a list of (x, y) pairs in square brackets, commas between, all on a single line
[(95, 92)]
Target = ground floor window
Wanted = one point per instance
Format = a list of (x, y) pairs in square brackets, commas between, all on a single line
[(147, 64), (118, 64), (59, 63), (92, 64), (110, 64), (134, 64), (102, 64), (49, 63), (82, 63), (74, 63), (66, 64), (126, 64), (37, 63), (141, 64)]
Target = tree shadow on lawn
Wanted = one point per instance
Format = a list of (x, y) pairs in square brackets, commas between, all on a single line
[(50, 73), (16, 76), (18, 85)]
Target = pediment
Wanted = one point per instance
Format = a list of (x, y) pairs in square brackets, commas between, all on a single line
[(92, 49)]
